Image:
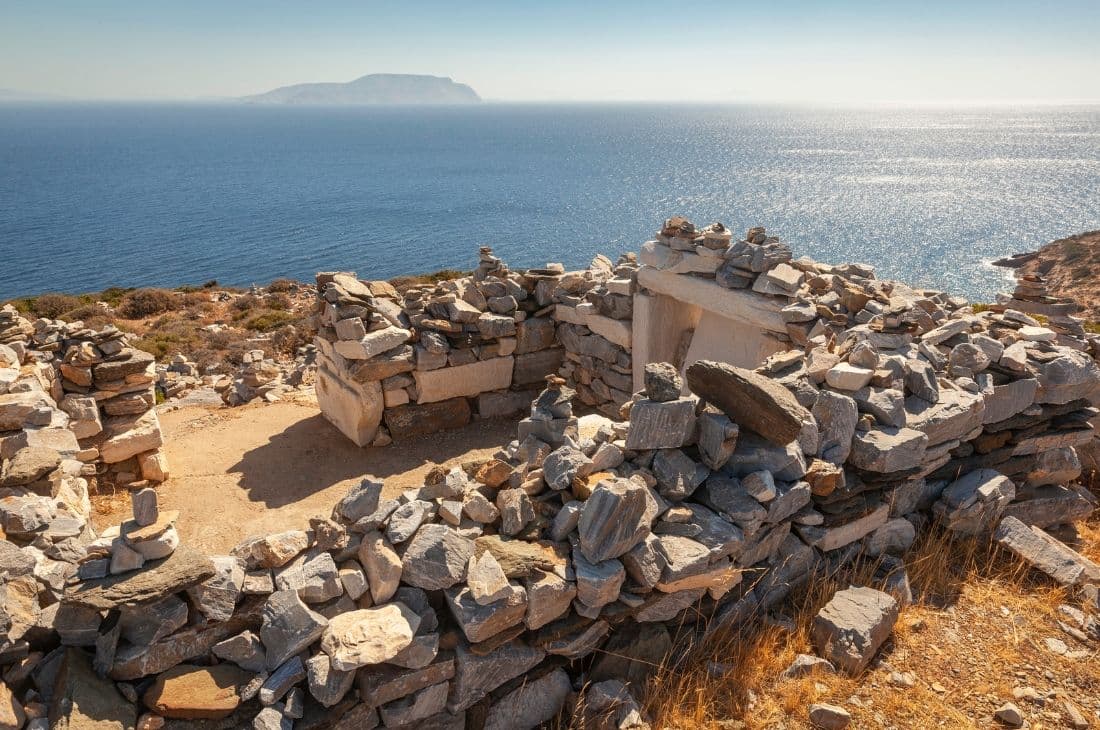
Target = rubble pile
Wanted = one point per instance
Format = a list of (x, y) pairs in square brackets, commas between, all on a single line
[(594, 310), (502, 592), (99, 392), (263, 377), (395, 366)]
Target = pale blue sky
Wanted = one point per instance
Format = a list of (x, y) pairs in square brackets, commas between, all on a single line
[(842, 51)]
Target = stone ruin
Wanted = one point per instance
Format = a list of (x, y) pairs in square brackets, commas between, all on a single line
[(395, 366), (554, 577), (83, 394)]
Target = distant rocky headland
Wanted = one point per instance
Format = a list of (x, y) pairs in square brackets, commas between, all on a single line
[(371, 90)]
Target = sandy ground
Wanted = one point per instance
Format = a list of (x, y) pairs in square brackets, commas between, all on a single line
[(265, 468)]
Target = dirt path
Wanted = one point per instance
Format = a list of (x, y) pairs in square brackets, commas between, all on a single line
[(269, 467)]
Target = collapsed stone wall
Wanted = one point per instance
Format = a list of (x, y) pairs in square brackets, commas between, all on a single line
[(395, 366), (493, 595), (99, 393)]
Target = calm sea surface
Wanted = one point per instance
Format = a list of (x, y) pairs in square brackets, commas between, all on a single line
[(99, 195)]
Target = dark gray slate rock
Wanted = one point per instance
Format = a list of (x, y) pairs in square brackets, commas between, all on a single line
[(612, 520), (476, 675), (753, 401), (852, 626), (289, 626)]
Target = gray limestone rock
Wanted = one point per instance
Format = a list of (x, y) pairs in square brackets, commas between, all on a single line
[(852, 626), (484, 621), (598, 584), (548, 598), (836, 416), (476, 675), (717, 439), (974, 503), (436, 558), (885, 450), (289, 626), (753, 401), (1043, 552), (530, 704), (245, 650), (327, 684), (313, 575), (662, 382), (281, 680), (612, 520), (657, 425), (563, 465), (678, 475), (216, 597)]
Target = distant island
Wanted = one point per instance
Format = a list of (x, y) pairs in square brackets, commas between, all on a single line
[(373, 89)]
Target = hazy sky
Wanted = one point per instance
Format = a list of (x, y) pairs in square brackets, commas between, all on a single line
[(843, 50)]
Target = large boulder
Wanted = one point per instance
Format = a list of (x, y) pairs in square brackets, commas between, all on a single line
[(752, 401)]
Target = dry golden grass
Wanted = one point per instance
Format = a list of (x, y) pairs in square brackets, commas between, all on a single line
[(973, 634)]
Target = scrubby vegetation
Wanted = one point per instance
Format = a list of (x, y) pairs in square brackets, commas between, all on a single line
[(166, 322)]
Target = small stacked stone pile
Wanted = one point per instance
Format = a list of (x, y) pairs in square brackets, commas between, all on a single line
[(1032, 296), (433, 357), (104, 390), (15, 329), (594, 310), (260, 376), (110, 397)]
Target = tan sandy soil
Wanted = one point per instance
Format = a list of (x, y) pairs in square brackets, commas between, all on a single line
[(266, 468)]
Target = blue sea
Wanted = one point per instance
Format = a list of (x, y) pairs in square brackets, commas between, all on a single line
[(97, 195)]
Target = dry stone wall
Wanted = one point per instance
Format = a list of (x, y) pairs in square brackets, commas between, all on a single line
[(101, 390), (501, 593), (395, 366)]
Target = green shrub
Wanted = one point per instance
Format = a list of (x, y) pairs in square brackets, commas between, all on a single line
[(268, 320), (53, 305), (147, 302)]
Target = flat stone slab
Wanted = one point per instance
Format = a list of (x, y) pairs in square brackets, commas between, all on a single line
[(852, 626), (197, 693), (751, 400), (464, 380), (1040, 550), (182, 569)]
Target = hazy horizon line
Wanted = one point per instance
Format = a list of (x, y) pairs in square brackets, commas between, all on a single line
[(50, 98)]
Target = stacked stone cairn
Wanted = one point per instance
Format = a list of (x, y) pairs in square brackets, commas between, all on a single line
[(1032, 296), (594, 310), (104, 390), (395, 366)]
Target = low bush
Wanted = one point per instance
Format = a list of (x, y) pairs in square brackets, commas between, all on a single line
[(54, 305), (282, 285), (268, 320), (148, 302)]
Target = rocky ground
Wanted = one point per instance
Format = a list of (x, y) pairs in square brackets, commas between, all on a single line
[(982, 632), (1069, 266)]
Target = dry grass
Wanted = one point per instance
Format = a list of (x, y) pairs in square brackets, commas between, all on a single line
[(974, 633)]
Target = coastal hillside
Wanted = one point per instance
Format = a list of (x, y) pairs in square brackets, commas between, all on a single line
[(1070, 267), (373, 89)]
